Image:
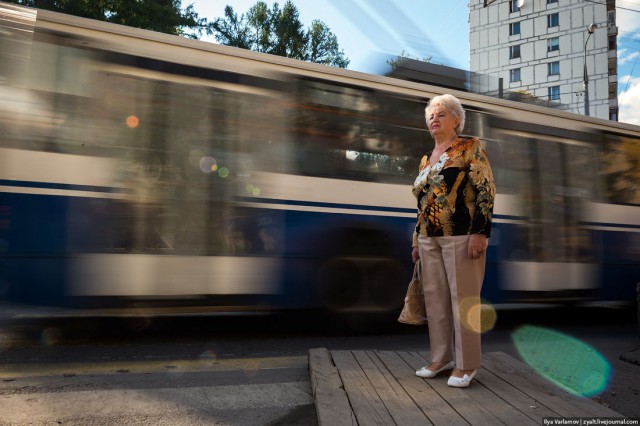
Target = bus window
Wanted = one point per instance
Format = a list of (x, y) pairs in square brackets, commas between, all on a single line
[(510, 161), (620, 169), (185, 150), (580, 189), (349, 133), (476, 124)]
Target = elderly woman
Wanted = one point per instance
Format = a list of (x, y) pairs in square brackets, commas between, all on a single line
[(455, 192)]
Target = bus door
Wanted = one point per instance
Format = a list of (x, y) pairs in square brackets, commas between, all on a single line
[(550, 254), (185, 155)]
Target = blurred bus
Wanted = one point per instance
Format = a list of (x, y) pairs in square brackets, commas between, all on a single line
[(139, 169)]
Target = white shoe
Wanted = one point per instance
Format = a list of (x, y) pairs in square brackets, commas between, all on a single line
[(425, 373), (461, 382)]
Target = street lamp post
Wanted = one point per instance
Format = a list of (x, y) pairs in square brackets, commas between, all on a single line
[(585, 78)]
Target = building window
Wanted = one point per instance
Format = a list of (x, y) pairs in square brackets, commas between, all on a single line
[(553, 20), (513, 6), (553, 44), (514, 51), (553, 68), (613, 114), (514, 28), (554, 93), (612, 42), (552, 1), (514, 75)]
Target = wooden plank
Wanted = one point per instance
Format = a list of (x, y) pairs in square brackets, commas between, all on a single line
[(380, 387), (510, 395), (436, 409), (460, 399), (366, 404), (514, 396), (583, 404), (400, 405), (493, 405), (331, 401), (528, 381), (502, 408)]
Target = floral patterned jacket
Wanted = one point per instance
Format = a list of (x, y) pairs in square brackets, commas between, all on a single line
[(455, 196)]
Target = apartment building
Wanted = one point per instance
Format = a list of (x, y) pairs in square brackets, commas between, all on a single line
[(548, 49)]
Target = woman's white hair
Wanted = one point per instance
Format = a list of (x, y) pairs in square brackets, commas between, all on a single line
[(452, 104)]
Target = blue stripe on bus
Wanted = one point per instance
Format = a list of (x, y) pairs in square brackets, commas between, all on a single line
[(104, 189), (62, 186), (509, 217), (326, 205), (611, 225)]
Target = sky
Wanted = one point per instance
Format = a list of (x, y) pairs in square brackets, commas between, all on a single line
[(372, 31)]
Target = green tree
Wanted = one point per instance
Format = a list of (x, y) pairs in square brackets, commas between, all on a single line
[(279, 31), (289, 38), (323, 46), (164, 16), (234, 31), (404, 57)]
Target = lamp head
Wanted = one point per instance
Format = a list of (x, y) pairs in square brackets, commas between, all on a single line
[(592, 28)]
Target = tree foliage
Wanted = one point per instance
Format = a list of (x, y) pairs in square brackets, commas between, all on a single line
[(404, 57), (164, 16), (279, 31)]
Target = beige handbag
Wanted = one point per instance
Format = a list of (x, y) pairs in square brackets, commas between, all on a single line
[(414, 311)]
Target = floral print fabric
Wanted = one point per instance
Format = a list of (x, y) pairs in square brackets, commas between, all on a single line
[(455, 195)]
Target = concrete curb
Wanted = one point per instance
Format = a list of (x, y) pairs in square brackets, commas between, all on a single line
[(632, 356)]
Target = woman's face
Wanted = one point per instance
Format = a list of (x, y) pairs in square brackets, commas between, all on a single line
[(441, 122)]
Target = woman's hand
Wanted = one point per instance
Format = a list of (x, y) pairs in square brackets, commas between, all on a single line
[(478, 244), (415, 254)]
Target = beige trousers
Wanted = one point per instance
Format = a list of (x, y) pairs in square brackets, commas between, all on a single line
[(452, 283)]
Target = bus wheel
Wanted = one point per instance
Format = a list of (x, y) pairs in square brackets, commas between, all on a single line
[(340, 284), (385, 285)]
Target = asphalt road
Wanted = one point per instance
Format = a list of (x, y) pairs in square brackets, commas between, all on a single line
[(230, 370)]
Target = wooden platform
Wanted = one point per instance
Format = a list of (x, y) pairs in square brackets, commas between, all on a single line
[(380, 388)]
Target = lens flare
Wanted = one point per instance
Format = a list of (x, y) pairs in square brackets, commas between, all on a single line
[(133, 121), (477, 315), (223, 172), (469, 313), (488, 316), (253, 190), (567, 362), (208, 164)]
